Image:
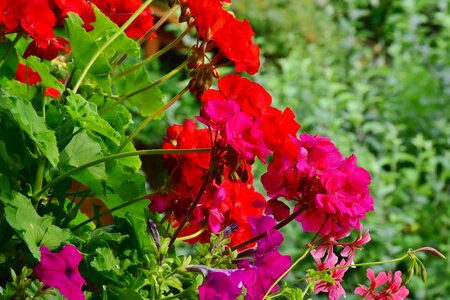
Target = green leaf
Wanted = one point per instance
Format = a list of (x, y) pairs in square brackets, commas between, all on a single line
[(33, 229), (10, 61), (43, 70), (116, 293), (83, 48), (148, 101), (83, 149), (23, 113), (105, 260), (139, 226), (85, 113)]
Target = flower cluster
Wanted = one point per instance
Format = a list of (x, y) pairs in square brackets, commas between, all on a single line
[(331, 191), (241, 112), (225, 201), (39, 18), (233, 38)]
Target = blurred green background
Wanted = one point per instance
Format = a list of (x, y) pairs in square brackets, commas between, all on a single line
[(373, 75)]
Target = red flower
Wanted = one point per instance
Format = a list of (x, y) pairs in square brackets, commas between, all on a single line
[(224, 202), (278, 128), (38, 21), (82, 8), (120, 11), (28, 76), (234, 38), (56, 45)]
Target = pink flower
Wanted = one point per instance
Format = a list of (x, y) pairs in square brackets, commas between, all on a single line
[(246, 137), (236, 110), (332, 191), (393, 291), (334, 289), (220, 285), (60, 270)]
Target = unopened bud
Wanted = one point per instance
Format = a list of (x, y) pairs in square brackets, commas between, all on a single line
[(432, 251), (230, 229), (424, 274), (199, 269), (154, 232)]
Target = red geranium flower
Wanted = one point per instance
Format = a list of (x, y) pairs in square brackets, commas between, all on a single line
[(120, 11)]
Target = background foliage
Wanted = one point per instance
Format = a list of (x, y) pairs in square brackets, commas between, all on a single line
[(375, 76)]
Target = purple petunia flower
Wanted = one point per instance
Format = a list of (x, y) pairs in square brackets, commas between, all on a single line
[(257, 274), (60, 270)]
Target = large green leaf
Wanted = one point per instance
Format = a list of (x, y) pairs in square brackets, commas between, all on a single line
[(148, 101), (23, 113), (83, 48), (85, 113), (83, 149), (33, 229)]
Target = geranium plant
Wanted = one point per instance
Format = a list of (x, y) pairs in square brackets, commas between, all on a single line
[(77, 218)]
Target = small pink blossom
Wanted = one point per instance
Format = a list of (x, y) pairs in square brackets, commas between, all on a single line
[(334, 289), (393, 291)]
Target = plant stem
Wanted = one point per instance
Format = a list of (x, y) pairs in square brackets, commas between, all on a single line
[(195, 234), (156, 55), (135, 200), (155, 27), (158, 24), (287, 271), (190, 211), (39, 175), (109, 42), (156, 83), (117, 156), (280, 225), (11, 46), (152, 116)]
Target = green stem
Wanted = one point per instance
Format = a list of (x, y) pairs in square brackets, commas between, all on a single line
[(287, 272), (109, 42), (156, 55), (39, 175), (158, 24), (152, 116), (11, 46), (117, 156), (155, 27), (135, 200), (72, 213), (261, 235), (381, 262), (146, 88)]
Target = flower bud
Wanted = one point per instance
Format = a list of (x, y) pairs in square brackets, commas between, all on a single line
[(154, 232)]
